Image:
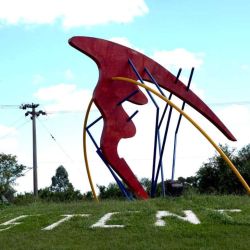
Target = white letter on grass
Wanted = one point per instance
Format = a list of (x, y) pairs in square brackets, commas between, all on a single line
[(67, 217), (223, 211), (12, 223), (102, 222), (189, 217)]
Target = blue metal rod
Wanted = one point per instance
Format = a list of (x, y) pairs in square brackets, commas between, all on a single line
[(98, 151), (174, 157), (170, 96), (162, 150), (162, 172), (156, 123), (141, 80), (177, 127), (133, 115), (184, 103), (164, 111), (94, 122), (160, 123), (156, 136), (119, 183), (127, 98), (92, 139), (160, 90), (154, 81)]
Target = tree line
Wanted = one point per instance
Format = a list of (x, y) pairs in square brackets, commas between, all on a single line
[(213, 177)]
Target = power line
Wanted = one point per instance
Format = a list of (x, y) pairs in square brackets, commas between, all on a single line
[(16, 121), (54, 139), (27, 170), (11, 132), (9, 106), (230, 103)]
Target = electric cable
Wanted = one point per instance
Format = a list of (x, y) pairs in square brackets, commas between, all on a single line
[(9, 106), (230, 103), (18, 127), (54, 139)]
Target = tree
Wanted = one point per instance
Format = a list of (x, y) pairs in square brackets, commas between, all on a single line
[(146, 183), (112, 191), (10, 170), (61, 188), (215, 176), (60, 181)]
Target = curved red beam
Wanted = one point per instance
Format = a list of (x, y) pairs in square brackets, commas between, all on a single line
[(112, 60)]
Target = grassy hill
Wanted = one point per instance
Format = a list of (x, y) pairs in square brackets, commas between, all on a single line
[(217, 230)]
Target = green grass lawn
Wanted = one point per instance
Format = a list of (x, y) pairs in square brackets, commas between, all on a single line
[(216, 230)]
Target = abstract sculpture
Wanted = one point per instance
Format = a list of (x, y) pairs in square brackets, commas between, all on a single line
[(114, 61)]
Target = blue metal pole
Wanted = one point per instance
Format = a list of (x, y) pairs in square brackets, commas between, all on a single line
[(98, 151), (169, 97), (119, 183), (177, 127), (167, 127), (92, 139), (94, 122), (156, 123), (158, 136), (127, 98), (154, 81), (163, 147), (133, 115), (162, 172)]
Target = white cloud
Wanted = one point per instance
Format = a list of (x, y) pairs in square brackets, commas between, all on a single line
[(172, 60), (179, 58), (238, 119), (64, 97), (124, 41), (73, 13)]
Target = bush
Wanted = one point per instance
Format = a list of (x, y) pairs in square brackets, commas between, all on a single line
[(112, 191), (215, 176), (68, 195), (23, 199)]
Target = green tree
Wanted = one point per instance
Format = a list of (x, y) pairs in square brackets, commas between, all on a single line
[(215, 176), (146, 183), (61, 188), (60, 181), (112, 191), (10, 170)]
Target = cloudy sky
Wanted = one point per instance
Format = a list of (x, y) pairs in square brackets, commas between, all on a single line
[(38, 66)]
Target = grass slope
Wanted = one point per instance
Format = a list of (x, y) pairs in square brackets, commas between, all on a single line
[(216, 231)]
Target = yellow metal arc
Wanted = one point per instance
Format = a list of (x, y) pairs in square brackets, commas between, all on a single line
[(85, 150), (219, 150)]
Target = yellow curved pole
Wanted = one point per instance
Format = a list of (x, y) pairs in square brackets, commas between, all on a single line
[(219, 150), (85, 150)]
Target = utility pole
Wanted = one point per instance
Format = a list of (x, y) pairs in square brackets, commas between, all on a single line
[(33, 113)]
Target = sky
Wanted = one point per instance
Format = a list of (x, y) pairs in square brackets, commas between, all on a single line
[(38, 66)]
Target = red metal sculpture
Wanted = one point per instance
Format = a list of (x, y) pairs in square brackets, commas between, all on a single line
[(112, 60)]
